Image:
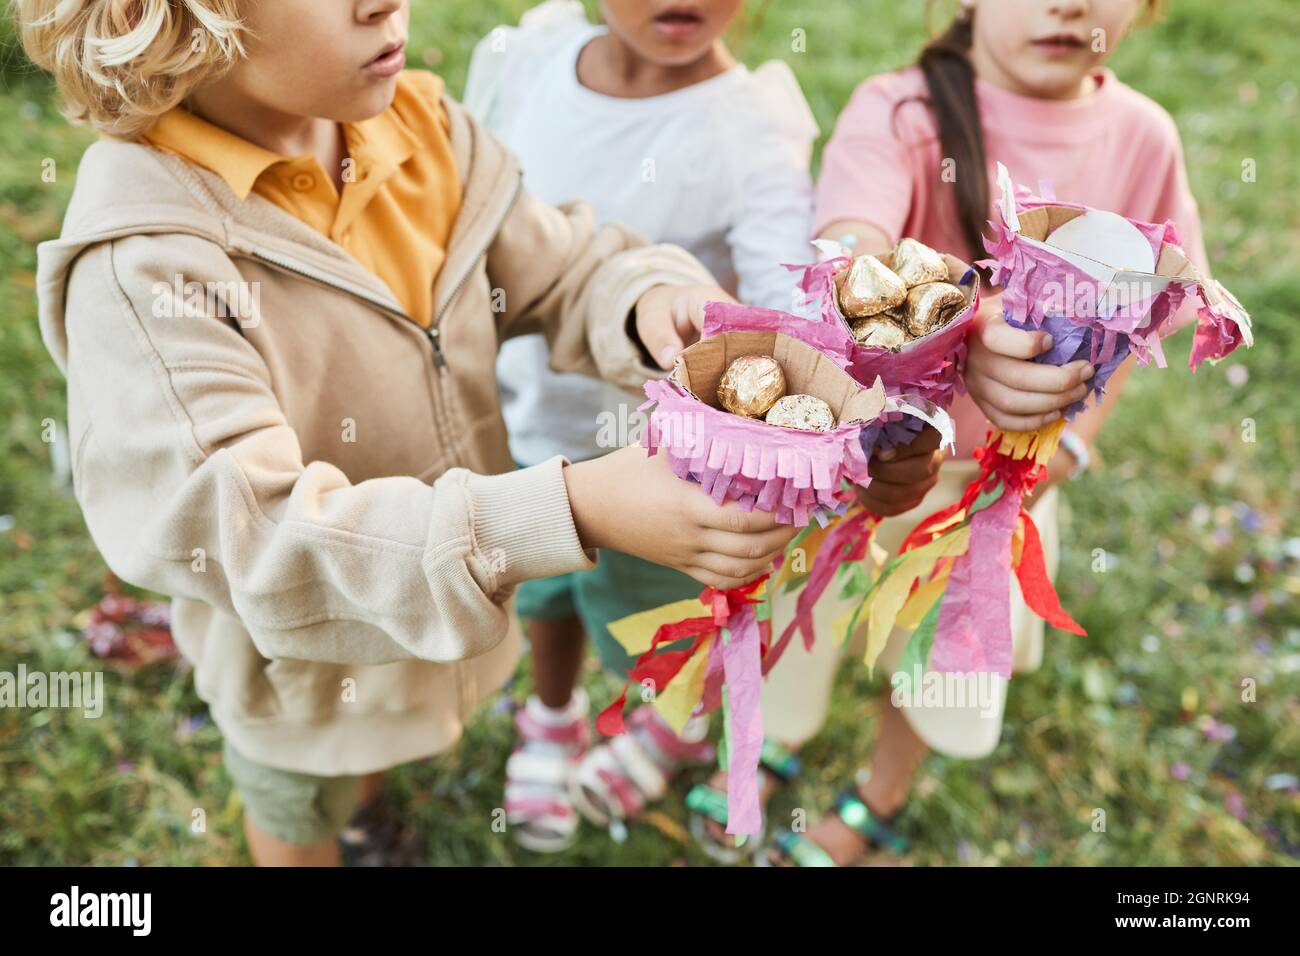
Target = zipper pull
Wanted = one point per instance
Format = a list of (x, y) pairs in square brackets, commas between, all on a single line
[(439, 359)]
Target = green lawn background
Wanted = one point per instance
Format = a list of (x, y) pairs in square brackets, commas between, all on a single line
[(1144, 719)]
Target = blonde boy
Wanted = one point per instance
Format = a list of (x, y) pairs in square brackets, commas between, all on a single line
[(277, 298)]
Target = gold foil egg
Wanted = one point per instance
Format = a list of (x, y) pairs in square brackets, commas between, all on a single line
[(878, 332), (804, 412), (916, 263), (932, 306), (751, 384), (869, 287)]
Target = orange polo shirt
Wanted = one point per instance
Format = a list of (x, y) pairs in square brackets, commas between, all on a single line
[(401, 189)]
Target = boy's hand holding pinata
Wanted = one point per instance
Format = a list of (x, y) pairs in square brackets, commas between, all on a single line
[(720, 546)]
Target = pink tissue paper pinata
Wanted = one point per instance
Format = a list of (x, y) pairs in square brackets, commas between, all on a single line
[(794, 474)]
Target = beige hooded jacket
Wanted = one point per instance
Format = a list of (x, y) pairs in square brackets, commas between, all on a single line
[(322, 485)]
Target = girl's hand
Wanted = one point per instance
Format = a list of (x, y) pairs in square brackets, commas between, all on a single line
[(902, 476), (633, 502), (669, 318), (1013, 392)]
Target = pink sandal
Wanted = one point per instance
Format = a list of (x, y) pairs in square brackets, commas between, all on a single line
[(616, 779), (539, 773)]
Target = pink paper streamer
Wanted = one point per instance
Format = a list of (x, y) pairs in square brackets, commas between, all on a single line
[(740, 659), (1217, 334), (711, 699), (832, 554), (973, 633)]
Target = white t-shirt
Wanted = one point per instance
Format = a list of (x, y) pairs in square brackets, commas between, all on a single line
[(719, 168)]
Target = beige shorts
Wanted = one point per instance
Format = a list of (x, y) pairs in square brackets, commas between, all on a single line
[(965, 719)]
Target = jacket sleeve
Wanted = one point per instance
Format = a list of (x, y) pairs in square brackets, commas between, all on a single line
[(193, 484), (578, 284)]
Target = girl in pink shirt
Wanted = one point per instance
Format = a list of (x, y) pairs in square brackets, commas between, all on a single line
[(913, 154), (1091, 138)]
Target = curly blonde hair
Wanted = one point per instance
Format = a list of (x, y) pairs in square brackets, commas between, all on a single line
[(121, 64)]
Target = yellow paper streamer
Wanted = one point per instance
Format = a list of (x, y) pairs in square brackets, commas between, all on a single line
[(1018, 542), (888, 598), (810, 546), (921, 601), (685, 690), (636, 631), (948, 523), (879, 557), (840, 626), (1039, 444)]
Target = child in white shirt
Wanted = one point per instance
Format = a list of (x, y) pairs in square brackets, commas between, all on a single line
[(650, 119)]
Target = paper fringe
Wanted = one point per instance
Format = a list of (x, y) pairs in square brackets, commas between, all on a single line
[(736, 459), (1032, 278), (1039, 445), (1222, 325)]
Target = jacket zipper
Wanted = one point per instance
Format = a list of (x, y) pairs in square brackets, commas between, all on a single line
[(431, 333), (492, 235), (439, 359)]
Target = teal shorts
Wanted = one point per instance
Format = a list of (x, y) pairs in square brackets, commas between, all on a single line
[(619, 585)]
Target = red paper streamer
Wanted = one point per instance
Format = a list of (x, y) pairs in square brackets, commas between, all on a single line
[(660, 669), (1036, 587)]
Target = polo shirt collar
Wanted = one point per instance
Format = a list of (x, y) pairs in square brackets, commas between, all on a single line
[(231, 157), (381, 143), (383, 140)]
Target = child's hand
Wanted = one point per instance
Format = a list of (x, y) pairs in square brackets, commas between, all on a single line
[(669, 318), (902, 476), (1013, 392), (633, 502)]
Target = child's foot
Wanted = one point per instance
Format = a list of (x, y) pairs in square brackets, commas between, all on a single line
[(539, 772), (620, 776), (377, 835), (843, 838), (708, 802), (715, 830)]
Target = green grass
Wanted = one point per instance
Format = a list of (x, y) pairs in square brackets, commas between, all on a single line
[(1200, 590)]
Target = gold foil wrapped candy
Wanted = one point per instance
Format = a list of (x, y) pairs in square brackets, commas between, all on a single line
[(932, 306), (750, 385), (805, 412), (869, 287), (878, 332), (916, 263)]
